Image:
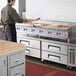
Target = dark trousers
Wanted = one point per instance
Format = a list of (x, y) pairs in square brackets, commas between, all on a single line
[(10, 32), (13, 32)]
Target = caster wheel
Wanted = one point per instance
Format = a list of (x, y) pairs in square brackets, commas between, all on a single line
[(67, 66), (42, 60), (70, 67)]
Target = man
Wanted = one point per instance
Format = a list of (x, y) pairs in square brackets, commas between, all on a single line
[(9, 17)]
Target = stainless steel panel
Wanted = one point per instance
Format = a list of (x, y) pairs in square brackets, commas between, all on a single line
[(17, 71), (29, 42), (59, 58), (32, 52), (17, 59), (62, 49), (67, 31), (72, 56)]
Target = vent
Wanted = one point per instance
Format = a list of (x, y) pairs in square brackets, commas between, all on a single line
[(72, 56)]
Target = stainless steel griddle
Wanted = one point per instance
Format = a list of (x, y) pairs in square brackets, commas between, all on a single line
[(63, 31)]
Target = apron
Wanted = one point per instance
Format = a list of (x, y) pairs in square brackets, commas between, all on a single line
[(7, 33), (10, 32)]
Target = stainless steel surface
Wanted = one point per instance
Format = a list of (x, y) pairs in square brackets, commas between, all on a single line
[(59, 58), (55, 42), (56, 31), (32, 46), (54, 47), (72, 56)]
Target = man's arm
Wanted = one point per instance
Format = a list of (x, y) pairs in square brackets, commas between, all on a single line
[(17, 18), (30, 20)]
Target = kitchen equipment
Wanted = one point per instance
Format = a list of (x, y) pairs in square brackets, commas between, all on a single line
[(51, 30)]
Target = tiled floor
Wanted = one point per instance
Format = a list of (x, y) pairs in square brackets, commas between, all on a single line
[(52, 64)]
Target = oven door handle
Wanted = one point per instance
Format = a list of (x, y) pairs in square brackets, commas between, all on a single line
[(27, 51), (25, 42), (55, 57), (55, 48)]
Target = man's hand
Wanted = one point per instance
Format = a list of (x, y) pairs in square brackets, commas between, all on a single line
[(36, 19), (30, 20)]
